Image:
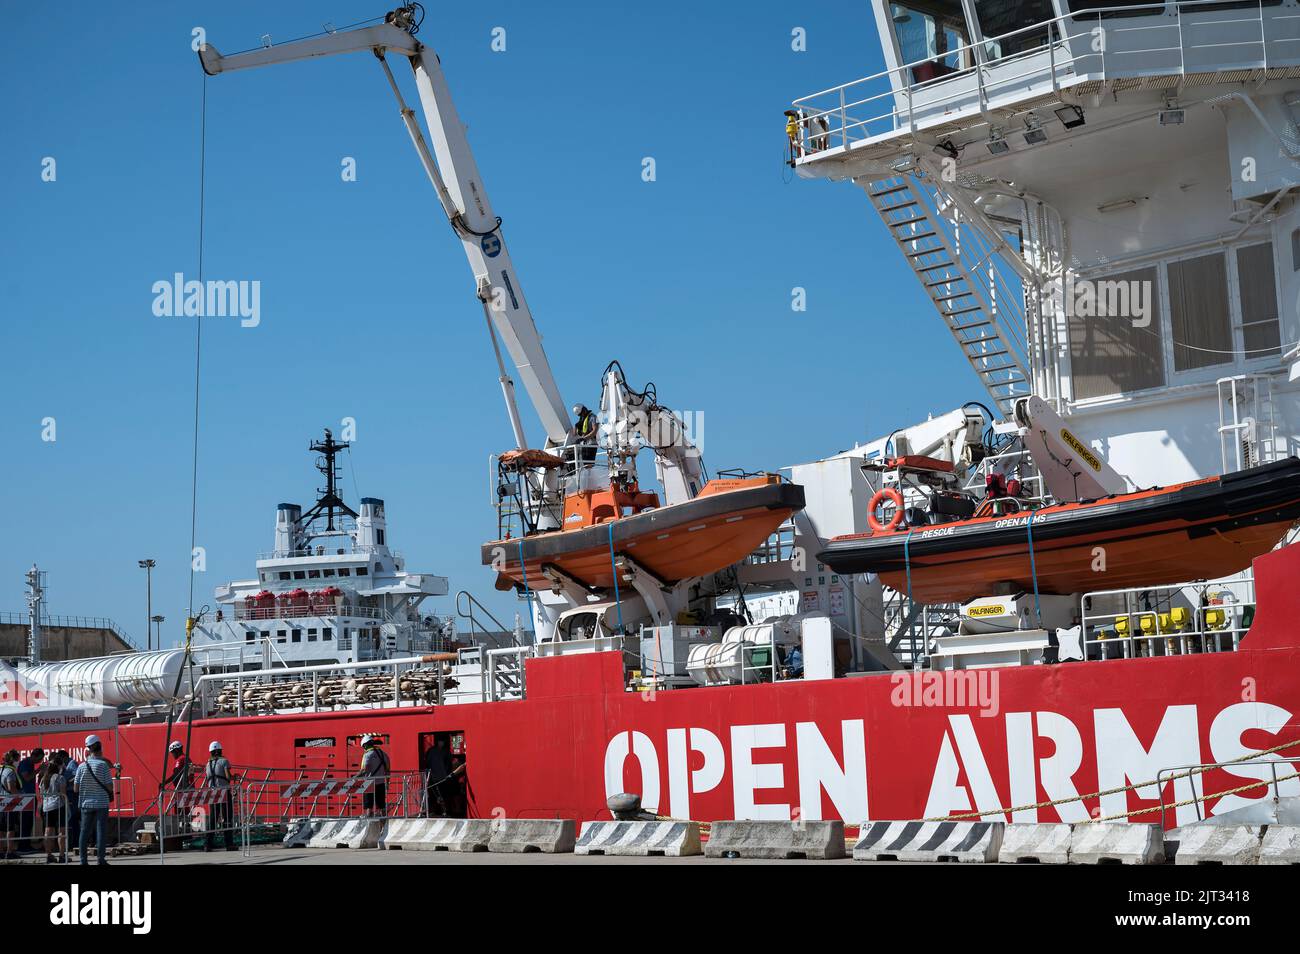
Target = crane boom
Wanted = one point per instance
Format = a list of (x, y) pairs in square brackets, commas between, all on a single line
[(455, 177)]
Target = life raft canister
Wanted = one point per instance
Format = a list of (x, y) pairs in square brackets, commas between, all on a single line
[(880, 496)]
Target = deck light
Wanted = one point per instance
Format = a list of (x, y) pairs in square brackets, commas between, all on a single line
[(996, 144), (1034, 132), (1070, 116), (1172, 117)]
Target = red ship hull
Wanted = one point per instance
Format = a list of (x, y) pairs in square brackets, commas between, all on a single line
[(879, 747)]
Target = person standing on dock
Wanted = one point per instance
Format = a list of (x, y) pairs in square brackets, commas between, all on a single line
[(27, 769), (216, 774), (54, 809), (374, 766), (94, 788), (440, 780), (70, 767), (180, 777), (9, 821)]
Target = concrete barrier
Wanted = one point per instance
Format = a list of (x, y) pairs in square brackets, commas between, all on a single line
[(929, 841), (346, 833), (670, 838), (1100, 843), (548, 835), (1280, 845), (776, 839), (437, 834), (299, 832), (1046, 844), (1209, 844)]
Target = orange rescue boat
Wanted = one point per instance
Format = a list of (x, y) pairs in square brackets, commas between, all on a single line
[(726, 522), (1202, 529)]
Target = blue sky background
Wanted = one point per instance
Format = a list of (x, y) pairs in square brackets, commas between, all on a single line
[(367, 302)]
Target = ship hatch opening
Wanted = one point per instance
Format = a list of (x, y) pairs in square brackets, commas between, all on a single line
[(442, 760)]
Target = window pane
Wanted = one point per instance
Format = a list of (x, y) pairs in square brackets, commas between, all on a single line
[(1258, 300), (931, 31), (1000, 17), (1198, 309), (1111, 353)]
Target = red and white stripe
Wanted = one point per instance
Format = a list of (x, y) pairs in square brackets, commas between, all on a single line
[(17, 803), (345, 786), (190, 798)]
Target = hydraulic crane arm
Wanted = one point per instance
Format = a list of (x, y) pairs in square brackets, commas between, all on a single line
[(1071, 469), (633, 420), (455, 177)]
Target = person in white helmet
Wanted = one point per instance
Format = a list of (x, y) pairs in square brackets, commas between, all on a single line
[(94, 788), (375, 766), (180, 776), (216, 774)]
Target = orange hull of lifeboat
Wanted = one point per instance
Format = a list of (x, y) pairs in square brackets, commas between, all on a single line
[(1198, 530), (723, 525)]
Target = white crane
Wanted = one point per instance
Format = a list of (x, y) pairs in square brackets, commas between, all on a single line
[(629, 421), (460, 189), (633, 420)]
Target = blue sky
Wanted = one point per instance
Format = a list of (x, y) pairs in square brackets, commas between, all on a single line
[(367, 307)]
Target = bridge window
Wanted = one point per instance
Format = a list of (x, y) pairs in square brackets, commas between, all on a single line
[(1198, 312), (931, 34), (997, 18), (1259, 327), (1113, 349)]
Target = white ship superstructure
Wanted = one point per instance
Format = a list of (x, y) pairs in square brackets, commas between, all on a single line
[(332, 590), (1101, 204)]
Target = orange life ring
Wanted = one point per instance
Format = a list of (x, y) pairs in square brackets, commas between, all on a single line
[(880, 496)]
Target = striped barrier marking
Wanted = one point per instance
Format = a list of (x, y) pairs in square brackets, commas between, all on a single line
[(672, 839), (17, 803), (191, 798), (438, 834), (929, 841), (347, 833), (344, 786), (1205, 843), (1046, 843), (1281, 845)]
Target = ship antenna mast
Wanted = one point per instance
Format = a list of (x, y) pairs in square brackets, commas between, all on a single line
[(329, 500)]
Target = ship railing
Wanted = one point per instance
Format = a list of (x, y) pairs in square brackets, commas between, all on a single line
[(1175, 39), (331, 610), (506, 672), (1271, 770), (1174, 620), (779, 546), (394, 683), (236, 653), (486, 674), (1020, 460), (355, 549), (466, 607)]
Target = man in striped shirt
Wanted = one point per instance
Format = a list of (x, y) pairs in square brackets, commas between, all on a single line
[(93, 785)]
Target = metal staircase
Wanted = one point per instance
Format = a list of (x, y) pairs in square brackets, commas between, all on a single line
[(956, 265)]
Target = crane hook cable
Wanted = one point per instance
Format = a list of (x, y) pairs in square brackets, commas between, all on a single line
[(186, 663)]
